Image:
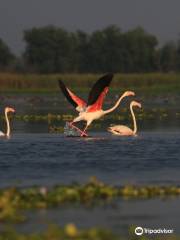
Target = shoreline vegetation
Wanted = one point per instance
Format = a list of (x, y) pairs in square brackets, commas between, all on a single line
[(71, 232), (16, 201), (143, 84), (54, 232), (95, 192)]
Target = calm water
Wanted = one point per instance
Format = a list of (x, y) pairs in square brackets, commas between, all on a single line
[(152, 157), (119, 217)]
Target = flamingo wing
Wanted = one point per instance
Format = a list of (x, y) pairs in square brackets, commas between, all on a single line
[(98, 93), (71, 97)]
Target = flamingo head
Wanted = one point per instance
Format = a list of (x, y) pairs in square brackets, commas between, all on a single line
[(9, 109), (129, 93), (137, 104)]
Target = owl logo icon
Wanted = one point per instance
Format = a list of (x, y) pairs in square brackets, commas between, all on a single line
[(139, 231)]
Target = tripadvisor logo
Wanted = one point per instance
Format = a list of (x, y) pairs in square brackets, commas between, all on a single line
[(139, 231)]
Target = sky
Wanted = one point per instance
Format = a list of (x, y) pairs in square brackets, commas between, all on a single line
[(159, 17)]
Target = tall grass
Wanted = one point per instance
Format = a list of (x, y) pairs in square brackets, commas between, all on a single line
[(150, 82)]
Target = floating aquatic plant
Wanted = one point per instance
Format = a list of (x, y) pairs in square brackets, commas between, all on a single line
[(146, 114), (71, 232), (94, 192)]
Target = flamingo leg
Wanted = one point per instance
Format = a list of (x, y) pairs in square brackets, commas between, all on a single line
[(83, 133)]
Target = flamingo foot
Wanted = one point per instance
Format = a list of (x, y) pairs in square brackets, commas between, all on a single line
[(84, 134)]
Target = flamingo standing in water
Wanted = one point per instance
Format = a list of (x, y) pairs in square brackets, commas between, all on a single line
[(124, 130), (92, 110), (8, 131)]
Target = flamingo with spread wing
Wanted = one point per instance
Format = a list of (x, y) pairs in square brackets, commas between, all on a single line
[(92, 109)]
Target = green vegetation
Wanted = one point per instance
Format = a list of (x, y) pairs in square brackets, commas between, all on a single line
[(6, 57), (94, 192), (69, 232), (143, 84), (53, 49), (14, 202)]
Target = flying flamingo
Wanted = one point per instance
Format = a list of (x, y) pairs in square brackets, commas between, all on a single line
[(124, 130), (7, 134), (92, 110)]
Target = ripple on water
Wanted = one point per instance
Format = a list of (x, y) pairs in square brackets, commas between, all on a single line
[(28, 159)]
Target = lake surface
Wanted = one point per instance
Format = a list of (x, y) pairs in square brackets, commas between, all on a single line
[(35, 157), (48, 159), (120, 216), (150, 158)]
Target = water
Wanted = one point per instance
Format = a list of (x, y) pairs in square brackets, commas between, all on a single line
[(48, 159), (120, 216)]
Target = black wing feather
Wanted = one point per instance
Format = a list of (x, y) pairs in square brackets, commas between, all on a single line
[(99, 87), (66, 93)]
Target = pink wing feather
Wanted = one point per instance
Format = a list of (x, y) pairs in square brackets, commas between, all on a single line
[(98, 104)]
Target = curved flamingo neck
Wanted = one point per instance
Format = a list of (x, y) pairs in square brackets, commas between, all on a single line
[(134, 119), (8, 125), (116, 105)]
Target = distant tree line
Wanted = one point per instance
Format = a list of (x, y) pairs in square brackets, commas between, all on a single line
[(51, 50), (6, 57)]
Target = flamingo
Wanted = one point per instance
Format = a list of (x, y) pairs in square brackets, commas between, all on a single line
[(92, 109), (8, 132), (124, 130)]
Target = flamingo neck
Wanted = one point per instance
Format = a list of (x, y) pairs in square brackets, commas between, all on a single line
[(8, 125), (115, 106), (134, 119)]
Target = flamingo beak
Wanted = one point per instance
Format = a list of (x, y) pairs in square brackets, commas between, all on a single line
[(132, 93), (12, 110), (139, 105), (106, 90)]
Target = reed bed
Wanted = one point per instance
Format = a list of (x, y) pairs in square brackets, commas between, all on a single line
[(143, 83)]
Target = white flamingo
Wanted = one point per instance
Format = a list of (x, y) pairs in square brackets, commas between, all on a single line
[(92, 110), (124, 130), (8, 131)]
